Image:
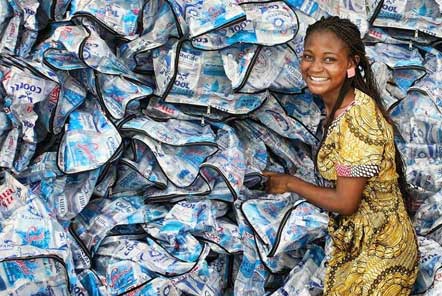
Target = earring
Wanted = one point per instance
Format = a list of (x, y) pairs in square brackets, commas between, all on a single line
[(351, 72)]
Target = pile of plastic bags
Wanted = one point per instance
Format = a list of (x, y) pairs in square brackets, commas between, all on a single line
[(133, 135)]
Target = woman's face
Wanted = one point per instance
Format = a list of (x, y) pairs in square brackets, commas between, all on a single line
[(324, 64)]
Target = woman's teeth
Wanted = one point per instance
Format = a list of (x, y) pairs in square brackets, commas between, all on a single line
[(318, 79)]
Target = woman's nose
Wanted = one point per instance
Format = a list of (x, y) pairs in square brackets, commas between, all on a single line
[(316, 66)]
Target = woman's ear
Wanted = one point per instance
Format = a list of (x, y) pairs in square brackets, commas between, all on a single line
[(351, 69), (356, 59)]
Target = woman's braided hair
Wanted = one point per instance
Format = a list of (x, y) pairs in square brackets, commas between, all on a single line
[(364, 80)]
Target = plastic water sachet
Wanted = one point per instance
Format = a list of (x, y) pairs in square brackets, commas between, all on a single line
[(256, 157), (90, 140), (119, 16), (429, 263), (427, 220), (54, 111), (265, 23), (238, 61), (117, 92), (29, 230), (66, 195), (256, 68), (197, 17), (297, 282), (195, 77), (252, 273), (175, 142), (25, 90), (92, 225), (303, 107), (226, 168), (158, 25), (273, 116), (282, 227)]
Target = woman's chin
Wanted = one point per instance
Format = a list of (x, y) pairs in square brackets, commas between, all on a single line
[(315, 90)]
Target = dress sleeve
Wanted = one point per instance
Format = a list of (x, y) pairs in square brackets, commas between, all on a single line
[(361, 144)]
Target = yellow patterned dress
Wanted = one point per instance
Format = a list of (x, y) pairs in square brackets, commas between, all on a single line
[(374, 250)]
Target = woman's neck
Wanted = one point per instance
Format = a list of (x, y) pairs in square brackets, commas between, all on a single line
[(330, 102)]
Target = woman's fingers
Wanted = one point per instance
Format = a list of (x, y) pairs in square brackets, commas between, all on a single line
[(275, 182), (269, 174)]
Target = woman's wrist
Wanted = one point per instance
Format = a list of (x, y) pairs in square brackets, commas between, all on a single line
[(292, 183)]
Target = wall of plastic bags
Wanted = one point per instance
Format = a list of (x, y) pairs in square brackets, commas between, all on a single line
[(133, 134)]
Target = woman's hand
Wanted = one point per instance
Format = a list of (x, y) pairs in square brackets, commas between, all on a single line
[(276, 182), (344, 199)]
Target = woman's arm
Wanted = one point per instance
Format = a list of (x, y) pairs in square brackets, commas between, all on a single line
[(344, 199)]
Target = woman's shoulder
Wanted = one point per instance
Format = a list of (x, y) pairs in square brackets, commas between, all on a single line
[(365, 121), (364, 101)]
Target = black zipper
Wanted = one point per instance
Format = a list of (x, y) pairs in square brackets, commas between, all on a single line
[(414, 67), (249, 68), (52, 9), (280, 229), (203, 239), (167, 198), (142, 132), (100, 95), (79, 241), (136, 287), (105, 26), (255, 233), (232, 191), (155, 184), (178, 259), (264, 262), (177, 22), (83, 43), (233, 22), (223, 111), (22, 65), (434, 229), (124, 120), (103, 173), (376, 12), (394, 105), (175, 70), (159, 185)]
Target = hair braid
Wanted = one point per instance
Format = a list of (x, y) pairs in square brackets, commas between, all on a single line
[(364, 80)]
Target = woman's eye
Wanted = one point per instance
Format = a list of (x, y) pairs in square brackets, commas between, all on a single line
[(329, 60), (307, 57)]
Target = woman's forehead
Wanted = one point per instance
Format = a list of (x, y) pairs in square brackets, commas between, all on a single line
[(325, 41)]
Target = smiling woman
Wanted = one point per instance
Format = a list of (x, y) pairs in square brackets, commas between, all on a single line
[(374, 244), (324, 66)]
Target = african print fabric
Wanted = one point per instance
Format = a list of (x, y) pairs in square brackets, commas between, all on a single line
[(374, 250)]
